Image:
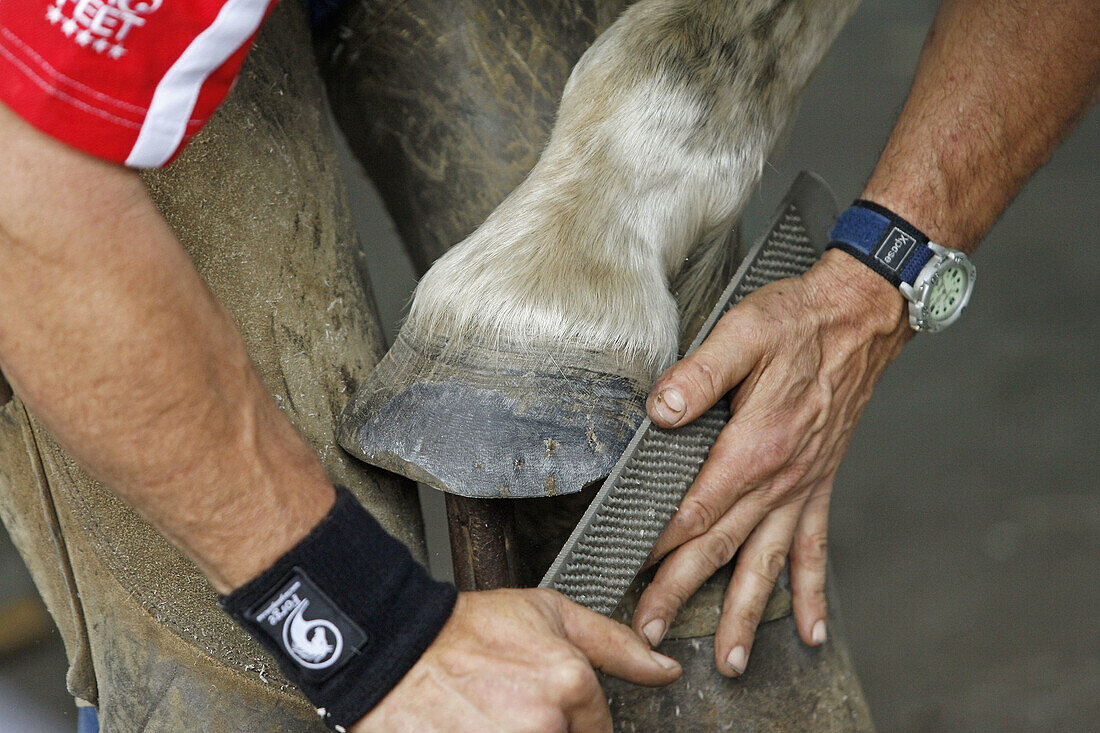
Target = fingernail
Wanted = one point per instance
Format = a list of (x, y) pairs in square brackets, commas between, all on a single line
[(666, 662), (818, 634), (654, 631), (673, 399), (669, 404), (738, 659)]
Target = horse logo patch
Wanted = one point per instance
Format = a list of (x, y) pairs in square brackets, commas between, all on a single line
[(308, 626), (314, 644)]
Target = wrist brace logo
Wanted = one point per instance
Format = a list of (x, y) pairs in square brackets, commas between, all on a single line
[(314, 644), (895, 249), (308, 626)]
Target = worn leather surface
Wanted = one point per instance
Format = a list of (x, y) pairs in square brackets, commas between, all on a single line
[(258, 202), (28, 512)]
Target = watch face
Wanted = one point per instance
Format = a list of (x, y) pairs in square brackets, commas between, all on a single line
[(945, 296)]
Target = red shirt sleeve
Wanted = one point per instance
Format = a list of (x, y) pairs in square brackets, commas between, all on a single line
[(127, 80)]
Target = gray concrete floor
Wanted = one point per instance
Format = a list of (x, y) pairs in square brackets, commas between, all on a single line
[(969, 565)]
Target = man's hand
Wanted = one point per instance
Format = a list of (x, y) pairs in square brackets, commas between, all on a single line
[(997, 86), (803, 355), (518, 660)]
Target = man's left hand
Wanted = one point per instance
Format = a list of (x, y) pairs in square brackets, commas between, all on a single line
[(802, 355)]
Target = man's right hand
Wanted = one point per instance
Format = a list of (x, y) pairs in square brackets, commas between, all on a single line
[(518, 660)]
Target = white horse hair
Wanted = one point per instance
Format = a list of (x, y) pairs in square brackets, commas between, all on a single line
[(661, 135)]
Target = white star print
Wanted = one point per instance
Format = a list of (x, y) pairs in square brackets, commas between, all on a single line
[(68, 27), (84, 37), (54, 15), (101, 45), (116, 52)]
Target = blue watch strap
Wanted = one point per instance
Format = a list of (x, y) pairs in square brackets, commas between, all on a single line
[(882, 240)]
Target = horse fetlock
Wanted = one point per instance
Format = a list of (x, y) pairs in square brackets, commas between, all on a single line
[(529, 347), (551, 276), (661, 135)]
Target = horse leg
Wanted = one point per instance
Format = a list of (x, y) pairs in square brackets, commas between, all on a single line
[(530, 344)]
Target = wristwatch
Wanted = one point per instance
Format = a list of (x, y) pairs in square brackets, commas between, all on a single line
[(936, 280)]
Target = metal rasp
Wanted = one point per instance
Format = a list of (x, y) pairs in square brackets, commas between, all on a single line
[(606, 550)]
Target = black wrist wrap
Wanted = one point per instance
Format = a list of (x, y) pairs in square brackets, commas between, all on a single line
[(347, 612)]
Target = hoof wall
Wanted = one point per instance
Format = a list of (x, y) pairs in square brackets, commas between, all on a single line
[(491, 423)]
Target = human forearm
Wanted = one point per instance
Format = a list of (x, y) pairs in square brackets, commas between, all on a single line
[(997, 86), (114, 342)]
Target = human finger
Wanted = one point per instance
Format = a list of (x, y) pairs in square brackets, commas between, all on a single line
[(759, 563), (593, 714), (689, 566), (808, 561), (690, 386), (614, 648)]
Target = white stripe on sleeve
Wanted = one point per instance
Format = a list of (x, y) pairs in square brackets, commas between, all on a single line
[(177, 92)]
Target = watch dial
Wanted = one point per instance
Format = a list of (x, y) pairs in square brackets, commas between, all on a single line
[(944, 297)]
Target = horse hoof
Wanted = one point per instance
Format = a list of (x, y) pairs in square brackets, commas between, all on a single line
[(493, 422)]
